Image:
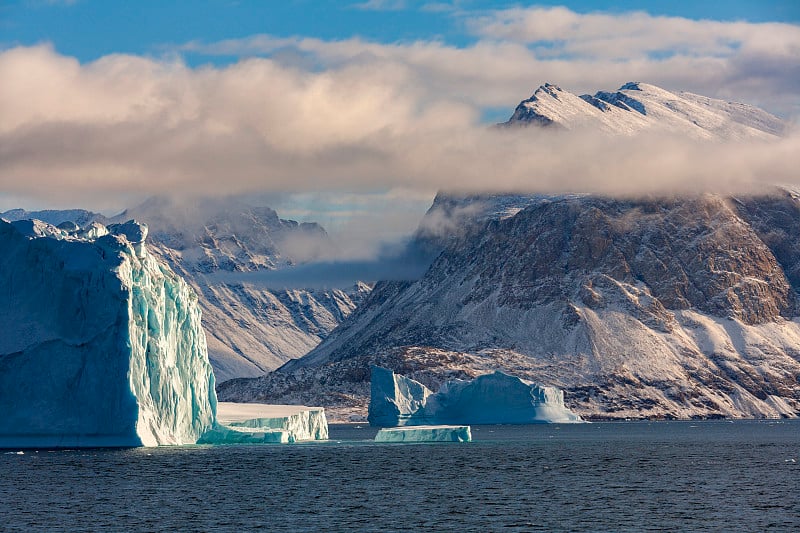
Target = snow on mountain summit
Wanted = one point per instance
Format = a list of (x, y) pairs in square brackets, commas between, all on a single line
[(638, 107)]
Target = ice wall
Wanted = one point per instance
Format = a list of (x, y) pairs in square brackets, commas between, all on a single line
[(496, 398), (101, 344)]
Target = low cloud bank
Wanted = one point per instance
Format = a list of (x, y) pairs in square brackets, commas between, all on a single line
[(361, 117), (402, 262)]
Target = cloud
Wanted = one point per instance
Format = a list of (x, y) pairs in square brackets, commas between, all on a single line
[(397, 263), (125, 124), (517, 49), (323, 117)]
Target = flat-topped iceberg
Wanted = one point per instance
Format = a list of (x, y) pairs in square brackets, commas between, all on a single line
[(425, 434), (254, 423), (496, 398), (102, 344)]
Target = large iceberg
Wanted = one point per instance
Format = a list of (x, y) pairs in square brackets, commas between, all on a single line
[(101, 344), (496, 398)]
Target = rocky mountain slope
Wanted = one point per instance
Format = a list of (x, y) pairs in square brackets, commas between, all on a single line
[(659, 307), (251, 329), (651, 307)]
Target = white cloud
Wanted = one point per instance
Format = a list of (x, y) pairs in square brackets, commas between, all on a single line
[(360, 116), (518, 49), (124, 124)]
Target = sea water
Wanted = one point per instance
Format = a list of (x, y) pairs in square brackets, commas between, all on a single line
[(631, 476)]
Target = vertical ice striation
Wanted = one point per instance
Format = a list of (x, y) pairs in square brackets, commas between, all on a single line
[(101, 344)]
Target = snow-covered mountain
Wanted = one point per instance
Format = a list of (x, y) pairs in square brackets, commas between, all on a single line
[(664, 308), (637, 107), (251, 329), (656, 307), (225, 234), (81, 217)]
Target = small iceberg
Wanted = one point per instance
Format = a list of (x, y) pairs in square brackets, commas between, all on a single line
[(425, 434), (255, 423), (496, 398)]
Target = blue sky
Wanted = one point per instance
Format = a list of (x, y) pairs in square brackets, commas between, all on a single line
[(88, 29), (350, 113)]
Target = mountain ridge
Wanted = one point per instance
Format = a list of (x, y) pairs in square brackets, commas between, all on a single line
[(636, 107)]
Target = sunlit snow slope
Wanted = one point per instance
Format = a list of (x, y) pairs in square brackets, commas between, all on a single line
[(638, 107)]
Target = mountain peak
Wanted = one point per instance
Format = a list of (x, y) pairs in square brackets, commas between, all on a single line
[(631, 86), (638, 106), (549, 88)]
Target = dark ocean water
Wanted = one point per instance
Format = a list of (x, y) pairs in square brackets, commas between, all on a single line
[(633, 476)]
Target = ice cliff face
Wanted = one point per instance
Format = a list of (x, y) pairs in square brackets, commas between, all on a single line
[(496, 398), (638, 107), (252, 423), (102, 343)]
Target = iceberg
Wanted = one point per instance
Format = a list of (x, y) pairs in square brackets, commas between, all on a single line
[(254, 423), (102, 343), (425, 434), (496, 398)]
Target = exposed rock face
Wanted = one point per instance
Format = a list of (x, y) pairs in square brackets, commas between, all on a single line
[(636, 308), (657, 307)]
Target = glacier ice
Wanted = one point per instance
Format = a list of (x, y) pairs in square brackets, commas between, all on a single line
[(102, 344), (496, 398), (254, 423), (425, 434)]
